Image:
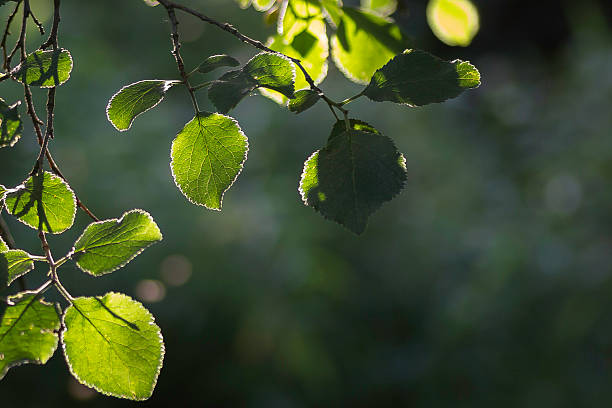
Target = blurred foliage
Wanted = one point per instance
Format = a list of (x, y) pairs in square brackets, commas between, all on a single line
[(486, 282)]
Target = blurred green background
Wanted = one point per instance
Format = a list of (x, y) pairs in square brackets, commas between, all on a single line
[(487, 282)]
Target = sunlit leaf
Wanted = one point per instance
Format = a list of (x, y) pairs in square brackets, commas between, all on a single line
[(44, 202), (108, 245), (382, 7), (45, 69), (3, 246), (217, 61), (207, 157), (418, 78), (13, 264), (262, 5), (28, 331), (295, 15), (11, 125), (134, 99), (333, 10), (113, 345), (454, 22), (353, 175)]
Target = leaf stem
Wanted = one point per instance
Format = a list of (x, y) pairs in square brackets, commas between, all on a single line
[(352, 98), (202, 85)]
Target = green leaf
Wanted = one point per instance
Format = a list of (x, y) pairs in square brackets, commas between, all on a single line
[(15, 263), (217, 61), (303, 100), (207, 157), (353, 175), (265, 70), (454, 22), (2, 193), (294, 17), (28, 331), (108, 245), (263, 5), (151, 3), (418, 78), (333, 9), (3, 246), (134, 99), (44, 202), (382, 7), (11, 124), (311, 47), (44, 68), (113, 345), (365, 42), (244, 3)]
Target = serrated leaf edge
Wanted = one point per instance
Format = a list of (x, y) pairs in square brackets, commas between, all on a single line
[(30, 259)]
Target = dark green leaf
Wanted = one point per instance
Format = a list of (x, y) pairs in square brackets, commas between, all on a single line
[(11, 124), (108, 245), (418, 78), (44, 68), (44, 202), (134, 99), (217, 61), (207, 156), (28, 332), (113, 345), (303, 100), (353, 175)]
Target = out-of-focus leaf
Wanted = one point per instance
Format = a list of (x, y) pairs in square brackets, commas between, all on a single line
[(454, 22), (11, 125)]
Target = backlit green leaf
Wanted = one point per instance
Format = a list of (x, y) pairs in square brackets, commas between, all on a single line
[(28, 332), (303, 100), (207, 156), (134, 99), (295, 15), (353, 175), (382, 7), (44, 68), (44, 202), (113, 345), (217, 61), (264, 70), (454, 22), (14, 263), (418, 78), (263, 5), (333, 9), (2, 193), (11, 125), (365, 42), (108, 245), (3, 246)]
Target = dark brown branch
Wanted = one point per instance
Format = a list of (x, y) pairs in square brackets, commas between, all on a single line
[(5, 36), (52, 40)]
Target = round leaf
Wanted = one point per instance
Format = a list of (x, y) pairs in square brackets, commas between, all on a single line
[(454, 22), (44, 68)]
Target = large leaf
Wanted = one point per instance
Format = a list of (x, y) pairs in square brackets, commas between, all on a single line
[(382, 7), (113, 345), (44, 202), (264, 70), (207, 156), (44, 68), (13, 264), (353, 175), (28, 331), (134, 99), (365, 42), (454, 22), (418, 78), (310, 46), (11, 124), (108, 245)]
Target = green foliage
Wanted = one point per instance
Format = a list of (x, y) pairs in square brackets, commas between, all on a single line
[(28, 331), (357, 171), (217, 61), (113, 345), (383, 7), (11, 124), (304, 99), (14, 263), (134, 99), (207, 156), (417, 78), (454, 22), (3, 246), (106, 246), (45, 69), (44, 202)]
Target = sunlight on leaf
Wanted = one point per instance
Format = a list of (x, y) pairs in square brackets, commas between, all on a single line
[(454, 22)]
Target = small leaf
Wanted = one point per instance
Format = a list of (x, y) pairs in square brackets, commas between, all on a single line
[(365, 42), (11, 124), (108, 245), (44, 68), (15, 263), (207, 157), (353, 175), (27, 331), (244, 4), (134, 99), (303, 100), (113, 345), (418, 78), (454, 22), (217, 61), (44, 202), (151, 3), (263, 5), (382, 7), (264, 70)]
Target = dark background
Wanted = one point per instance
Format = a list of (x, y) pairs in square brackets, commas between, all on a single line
[(487, 282)]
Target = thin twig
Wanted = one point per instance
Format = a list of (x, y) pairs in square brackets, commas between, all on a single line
[(5, 36), (52, 40)]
